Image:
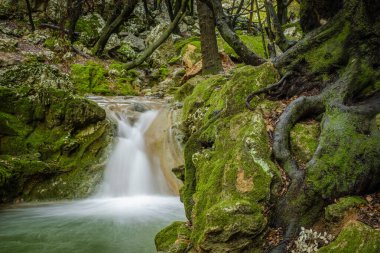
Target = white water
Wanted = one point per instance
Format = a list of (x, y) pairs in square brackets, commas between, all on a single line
[(132, 205), (130, 171)]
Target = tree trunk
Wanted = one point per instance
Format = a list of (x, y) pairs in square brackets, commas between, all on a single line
[(282, 11), (230, 36), (261, 27), (236, 14), (150, 49), (115, 24), (75, 12), (30, 16), (172, 13), (280, 39), (211, 62)]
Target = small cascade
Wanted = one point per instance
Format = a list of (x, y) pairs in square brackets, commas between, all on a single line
[(131, 171)]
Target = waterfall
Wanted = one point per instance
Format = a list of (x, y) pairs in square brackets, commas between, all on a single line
[(134, 201), (131, 170)]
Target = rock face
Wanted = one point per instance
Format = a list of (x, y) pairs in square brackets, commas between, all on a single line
[(50, 140), (229, 175)]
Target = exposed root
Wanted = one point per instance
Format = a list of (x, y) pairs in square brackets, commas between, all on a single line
[(267, 89), (289, 217)]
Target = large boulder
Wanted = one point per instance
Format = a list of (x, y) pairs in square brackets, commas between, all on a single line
[(51, 142), (229, 174)]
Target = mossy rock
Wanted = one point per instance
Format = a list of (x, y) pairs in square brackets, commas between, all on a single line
[(356, 237), (94, 78), (90, 27), (336, 211), (304, 140), (229, 174), (345, 143), (47, 136), (173, 238)]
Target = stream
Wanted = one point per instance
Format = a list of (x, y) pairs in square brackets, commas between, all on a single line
[(136, 199)]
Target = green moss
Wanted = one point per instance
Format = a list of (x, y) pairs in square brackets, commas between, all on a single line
[(88, 77), (126, 52), (328, 53), (304, 140), (356, 237), (48, 134), (254, 43), (167, 237), (336, 211), (349, 153), (239, 178), (89, 27), (94, 78)]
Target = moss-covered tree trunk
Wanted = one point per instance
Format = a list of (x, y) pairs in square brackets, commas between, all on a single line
[(339, 62)]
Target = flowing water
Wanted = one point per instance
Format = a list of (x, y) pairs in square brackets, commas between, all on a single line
[(132, 204)]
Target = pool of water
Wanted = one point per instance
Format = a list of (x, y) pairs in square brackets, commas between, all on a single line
[(126, 224)]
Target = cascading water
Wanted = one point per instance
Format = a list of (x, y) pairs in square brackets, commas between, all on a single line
[(130, 171), (133, 203)]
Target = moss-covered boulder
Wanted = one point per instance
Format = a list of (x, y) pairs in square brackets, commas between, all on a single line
[(336, 211), (90, 27), (356, 237), (229, 175), (173, 239), (51, 141), (93, 78)]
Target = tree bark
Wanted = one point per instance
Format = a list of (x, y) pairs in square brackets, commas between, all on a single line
[(234, 19), (30, 16), (211, 62), (75, 12), (111, 28), (282, 11), (230, 36), (280, 39)]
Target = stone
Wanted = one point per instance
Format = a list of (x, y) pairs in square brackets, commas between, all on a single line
[(136, 43), (113, 42), (90, 27), (336, 211), (355, 237), (41, 119)]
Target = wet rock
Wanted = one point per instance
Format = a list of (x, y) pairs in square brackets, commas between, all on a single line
[(138, 107)]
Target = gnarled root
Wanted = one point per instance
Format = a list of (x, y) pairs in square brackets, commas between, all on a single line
[(268, 89)]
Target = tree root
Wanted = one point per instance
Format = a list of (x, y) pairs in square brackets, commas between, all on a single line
[(267, 89), (289, 217)]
